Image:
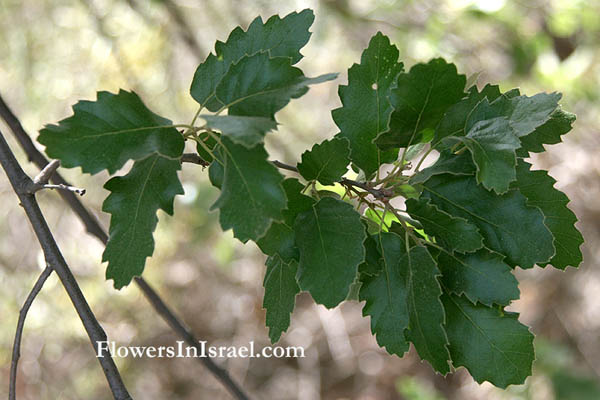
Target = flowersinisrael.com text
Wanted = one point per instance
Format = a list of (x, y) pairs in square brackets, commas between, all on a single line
[(180, 350)]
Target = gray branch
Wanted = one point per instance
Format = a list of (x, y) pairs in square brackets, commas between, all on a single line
[(21, 184), (93, 227)]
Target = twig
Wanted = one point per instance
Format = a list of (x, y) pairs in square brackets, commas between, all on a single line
[(93, 227), (194, 159), (16, 354), (381, 194), (44, 176), (20, 183), (189, 337)]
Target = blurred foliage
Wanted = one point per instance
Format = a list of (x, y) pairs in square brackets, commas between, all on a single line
[(53, 53)]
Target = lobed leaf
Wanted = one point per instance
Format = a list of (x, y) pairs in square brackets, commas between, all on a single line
[(330, 238), (365, 107), (251, 193), (481, 276), (278, 37), (247, 131), (420, 100), (538, 188), (508, 225), (490, 343), (326, 162), (108, 132), (385, 296), (133, 202), (281, 289), (454, 233), (260, 86)]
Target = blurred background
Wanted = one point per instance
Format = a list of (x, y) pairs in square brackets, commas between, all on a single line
[(53, 53)]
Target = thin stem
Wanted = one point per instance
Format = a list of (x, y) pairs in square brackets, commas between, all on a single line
[(93, 227), (20, 182), (16, 354)]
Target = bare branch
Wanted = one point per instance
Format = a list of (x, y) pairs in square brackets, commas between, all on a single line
[(93, 227), (12, 393), (189, 337), (36, 188), (20, 183)]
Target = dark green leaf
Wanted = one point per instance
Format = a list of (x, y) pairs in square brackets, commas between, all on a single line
[(538, 188), (251, 193), (385, 296), (481, 276), (326, 162), (490, 343), (508, 225), (135, 198), (454, 233), (279, 37), (330, 238), (420, 100), (260, 86), (247, 131), (365, 107), (108, 132), (425, 310), (280, 295)]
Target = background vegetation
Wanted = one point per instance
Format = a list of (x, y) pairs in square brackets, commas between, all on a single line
[(53, 53)]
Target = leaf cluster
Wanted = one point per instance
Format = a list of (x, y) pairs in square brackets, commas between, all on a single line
[(431, 252)]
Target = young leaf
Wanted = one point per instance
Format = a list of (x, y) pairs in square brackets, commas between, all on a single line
[(425, 310), (326, 162), (365, 107), (538, 188), (549, 133), (481, 276), (508, 225), (251, 193), (135, 198), (420, 99), (385, 296), (490, 343), (247, 131), (456, 234), (260, 86), (492, 144), (108, 132), (524, 113), (278, 37), (330, 238), (281, 289)]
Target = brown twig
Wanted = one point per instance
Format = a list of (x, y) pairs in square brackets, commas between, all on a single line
[(93, 227), (380, 194), (16, 354), (20, 183)]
